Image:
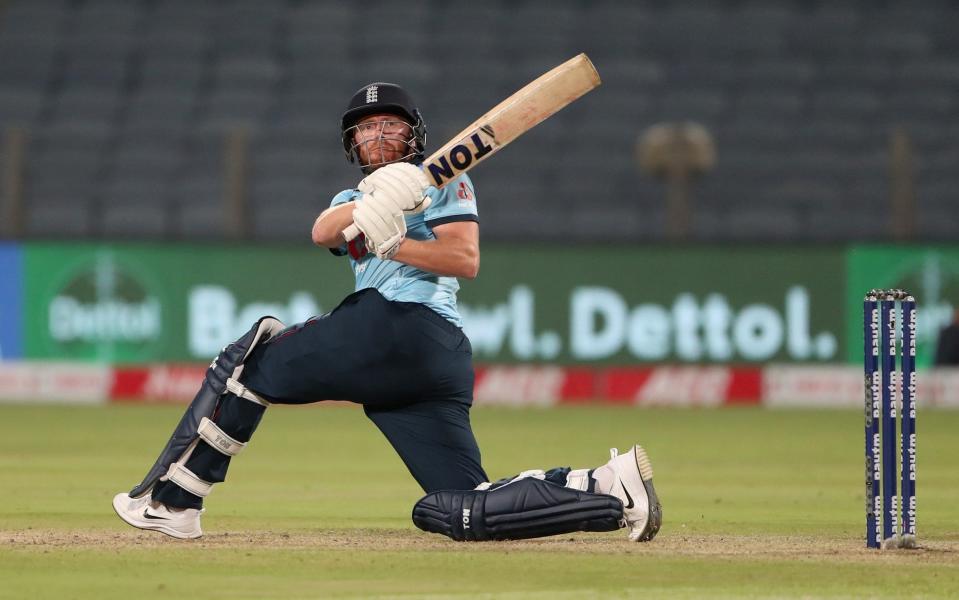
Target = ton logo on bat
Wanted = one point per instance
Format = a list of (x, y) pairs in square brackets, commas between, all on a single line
[(459, 158)]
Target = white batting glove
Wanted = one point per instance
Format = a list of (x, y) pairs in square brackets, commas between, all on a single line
[(383, 224), (403, 183)]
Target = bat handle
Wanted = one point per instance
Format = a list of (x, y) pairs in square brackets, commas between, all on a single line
[(351, 232)]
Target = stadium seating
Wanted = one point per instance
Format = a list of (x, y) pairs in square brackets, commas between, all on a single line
[(128, 105)]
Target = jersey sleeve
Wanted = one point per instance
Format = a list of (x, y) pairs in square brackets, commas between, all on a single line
[(455, 202), (341, 198)]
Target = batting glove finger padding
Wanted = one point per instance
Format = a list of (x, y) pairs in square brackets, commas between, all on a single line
[(373, 227), (381, 215), (384, 203), (387, 249), (404, 183), (382, 223)]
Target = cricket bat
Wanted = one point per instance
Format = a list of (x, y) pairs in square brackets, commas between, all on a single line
[(511, 118)]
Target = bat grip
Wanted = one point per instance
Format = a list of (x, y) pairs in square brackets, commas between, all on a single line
[(351, 232)]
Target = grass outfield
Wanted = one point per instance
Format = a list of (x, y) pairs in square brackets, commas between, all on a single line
[(756, 504)]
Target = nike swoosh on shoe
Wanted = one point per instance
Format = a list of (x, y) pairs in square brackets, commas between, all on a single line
[(628, 497), (147, 515)]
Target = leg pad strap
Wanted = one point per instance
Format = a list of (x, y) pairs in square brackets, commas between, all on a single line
[(187, 479), (525, 508), (578, 479), (211, 433), (237, 388)]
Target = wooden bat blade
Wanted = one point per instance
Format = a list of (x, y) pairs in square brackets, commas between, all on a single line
[(531, 105), (514, 116)]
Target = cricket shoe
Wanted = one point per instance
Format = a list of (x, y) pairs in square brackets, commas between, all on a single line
[(631, 478), (144, 513)]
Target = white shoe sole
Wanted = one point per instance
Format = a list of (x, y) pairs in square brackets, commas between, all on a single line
[(655, 517), (136, 519)]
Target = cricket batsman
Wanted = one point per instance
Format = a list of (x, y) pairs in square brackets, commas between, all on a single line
[(395, 346)]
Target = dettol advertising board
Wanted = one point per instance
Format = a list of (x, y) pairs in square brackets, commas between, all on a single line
[(627, 305), (142, 303), (132, 303)]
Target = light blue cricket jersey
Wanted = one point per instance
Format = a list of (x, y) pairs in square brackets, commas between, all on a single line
[(400, 282)]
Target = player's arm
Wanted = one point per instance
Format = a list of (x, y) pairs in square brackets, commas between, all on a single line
[(328, 227), (454, 252)]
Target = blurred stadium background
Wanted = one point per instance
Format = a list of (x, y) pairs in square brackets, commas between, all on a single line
[(746, 171), (697, 232)]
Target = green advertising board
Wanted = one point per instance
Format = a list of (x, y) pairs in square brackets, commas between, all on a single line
[(931, 273), (580, 305), (623, 305), (137, 303)]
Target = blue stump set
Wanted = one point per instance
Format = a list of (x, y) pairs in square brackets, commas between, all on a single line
[(889, 390)]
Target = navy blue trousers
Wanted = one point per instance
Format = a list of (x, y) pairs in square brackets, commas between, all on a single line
[(410, 368)]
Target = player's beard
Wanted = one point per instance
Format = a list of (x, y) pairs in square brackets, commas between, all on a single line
[(383, 150)]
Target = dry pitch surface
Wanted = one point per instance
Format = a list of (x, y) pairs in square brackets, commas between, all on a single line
[(757, 504), (718, 546)]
